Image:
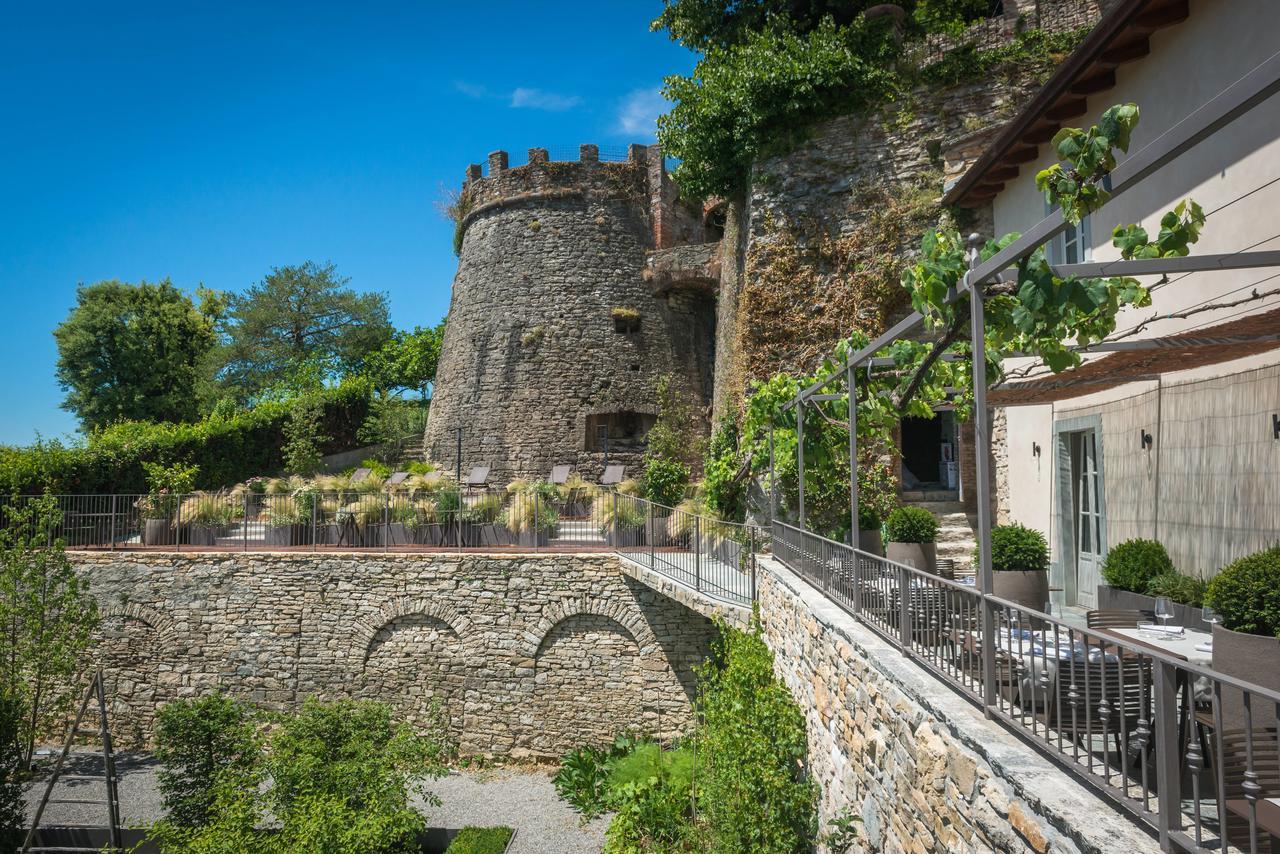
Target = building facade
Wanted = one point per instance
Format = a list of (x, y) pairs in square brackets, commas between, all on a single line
[(1177, 444)]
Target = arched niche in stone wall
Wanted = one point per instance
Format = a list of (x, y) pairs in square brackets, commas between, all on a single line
[(415, 660), (134, 646), (588, 684)]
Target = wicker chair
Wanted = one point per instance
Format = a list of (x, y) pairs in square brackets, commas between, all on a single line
[(1119, 619), (947, 568), (1123, 683)]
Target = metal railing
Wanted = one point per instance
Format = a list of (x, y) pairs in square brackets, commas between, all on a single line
[(1191, 752), (558, 519), (715, 558)]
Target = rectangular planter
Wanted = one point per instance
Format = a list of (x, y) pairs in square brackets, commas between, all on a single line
[(157, 532), (429, 534), (534, 539), (200, 535), (288, 535), (1113, 599), (625, 538)]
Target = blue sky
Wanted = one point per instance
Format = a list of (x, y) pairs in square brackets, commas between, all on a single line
[(208, 142)]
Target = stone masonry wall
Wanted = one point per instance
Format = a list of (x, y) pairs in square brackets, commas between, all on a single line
[(519, 655), (919, 765), (533, 360)]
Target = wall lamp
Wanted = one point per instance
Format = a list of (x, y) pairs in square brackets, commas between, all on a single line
[(1275, 426), (1147, 440), (1035, 449)]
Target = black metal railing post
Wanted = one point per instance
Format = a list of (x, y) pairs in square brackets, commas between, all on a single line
[(1168, 770), (652, 533), (315, 500), (111, 534), (177, 525), (904, 607), (617, 541), (386, 523), (244, 525), (697, 553), (751, 544)]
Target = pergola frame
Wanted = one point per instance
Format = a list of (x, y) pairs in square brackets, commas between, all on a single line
[(1230, 104)]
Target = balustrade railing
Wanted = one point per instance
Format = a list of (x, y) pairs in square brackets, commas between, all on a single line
[(1190, 751)]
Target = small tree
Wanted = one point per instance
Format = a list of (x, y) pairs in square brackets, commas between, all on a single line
[(196, 742), (47, 618), (302, 433), (11, 804)]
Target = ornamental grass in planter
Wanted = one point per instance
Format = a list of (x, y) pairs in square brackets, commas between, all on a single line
[(532, 517), (621, 520), (911, 533), (1247, 595), (205, 517), (1020, 566)]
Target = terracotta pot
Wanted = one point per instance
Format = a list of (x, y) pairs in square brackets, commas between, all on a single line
[(872, 543), (1026, 587), (921, 556), (1250, 658)]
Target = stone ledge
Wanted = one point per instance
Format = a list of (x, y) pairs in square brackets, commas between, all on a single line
[(1040, 806)]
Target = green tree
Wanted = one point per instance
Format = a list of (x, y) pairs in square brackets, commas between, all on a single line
[(134, 352), (295, 319), (46, 618), (12, 806), (303, 436), (408, 361), (196, 742)]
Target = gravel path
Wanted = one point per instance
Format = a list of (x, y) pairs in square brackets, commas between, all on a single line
[(521, 798)]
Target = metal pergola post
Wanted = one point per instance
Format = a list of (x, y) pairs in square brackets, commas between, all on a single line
[(854, 539), (773, 481), (981, 448), (800, 460)]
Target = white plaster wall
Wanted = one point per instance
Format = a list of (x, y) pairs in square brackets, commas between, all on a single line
[(1030, 477), (1189, 64)]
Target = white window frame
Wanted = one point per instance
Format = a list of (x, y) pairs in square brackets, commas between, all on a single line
[(1073, 246)]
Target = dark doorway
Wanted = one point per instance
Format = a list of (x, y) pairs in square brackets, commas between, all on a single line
[(921, 451)]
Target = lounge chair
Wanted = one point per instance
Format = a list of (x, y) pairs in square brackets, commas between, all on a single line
[(560, 474), (478, 478), (613, 475)]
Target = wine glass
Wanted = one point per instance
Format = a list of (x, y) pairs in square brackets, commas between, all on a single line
[(1211, 617), (1164, 610)]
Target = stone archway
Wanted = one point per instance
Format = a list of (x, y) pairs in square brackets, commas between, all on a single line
[(133, 644), (588, 684), (415, 661)]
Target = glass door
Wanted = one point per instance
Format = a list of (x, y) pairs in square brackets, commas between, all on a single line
[(1087, 516)]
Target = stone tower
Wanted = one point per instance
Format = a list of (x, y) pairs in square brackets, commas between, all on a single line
[(564, 314)]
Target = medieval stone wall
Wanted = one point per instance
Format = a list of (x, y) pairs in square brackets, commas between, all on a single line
[(534, 360), (515, 655), (921, 768)]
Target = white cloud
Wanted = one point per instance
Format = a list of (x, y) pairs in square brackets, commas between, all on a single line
[(471, 90), (639, 111), (536, 99)]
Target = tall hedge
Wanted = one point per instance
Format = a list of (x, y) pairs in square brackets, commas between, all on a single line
[(226, 449)]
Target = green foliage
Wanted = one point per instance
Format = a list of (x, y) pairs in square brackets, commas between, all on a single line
[(1247, 593), (1132, 565), (133, 352), (1087, 156), (12, 805), (664, 480), (753, 793), (1183, 589), (672, 436), (227, 449), (1031, 50), (297, 328), (758, 95), (47, 617), (703, 24), (582, 779), (481, 840), (165, 485), (337, 777), (197, 741), (1015, 548), (724, 492), (911, 525), (652, 815), (301, 452), (393, 424), (408, 361), (877, 493)]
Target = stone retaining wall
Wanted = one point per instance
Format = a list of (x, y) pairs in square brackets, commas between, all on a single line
[(521, 655), (921, 767)]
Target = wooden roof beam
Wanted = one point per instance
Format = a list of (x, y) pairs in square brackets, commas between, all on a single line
[(1099, 82), (1067, 109), (1171, 13), (1127, 52)]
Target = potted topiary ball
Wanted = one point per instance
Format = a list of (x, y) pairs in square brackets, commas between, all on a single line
[(911, 533), (1019, 566), (869, 539), (1247, 596), (1128, 571)]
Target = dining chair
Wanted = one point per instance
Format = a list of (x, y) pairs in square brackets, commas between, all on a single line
[(1264, 771), (1080, 689), (1118, 619)]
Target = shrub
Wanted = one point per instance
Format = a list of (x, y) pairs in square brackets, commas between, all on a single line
[(196, 741), (1183, 589), (583, 778), (753, 793), (665, 480), (911, 525), (225, 449), (1132, 564), (723, 490), (652, 815), (1014, 547), (480, 840), (12, 807), (1247, 593)]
